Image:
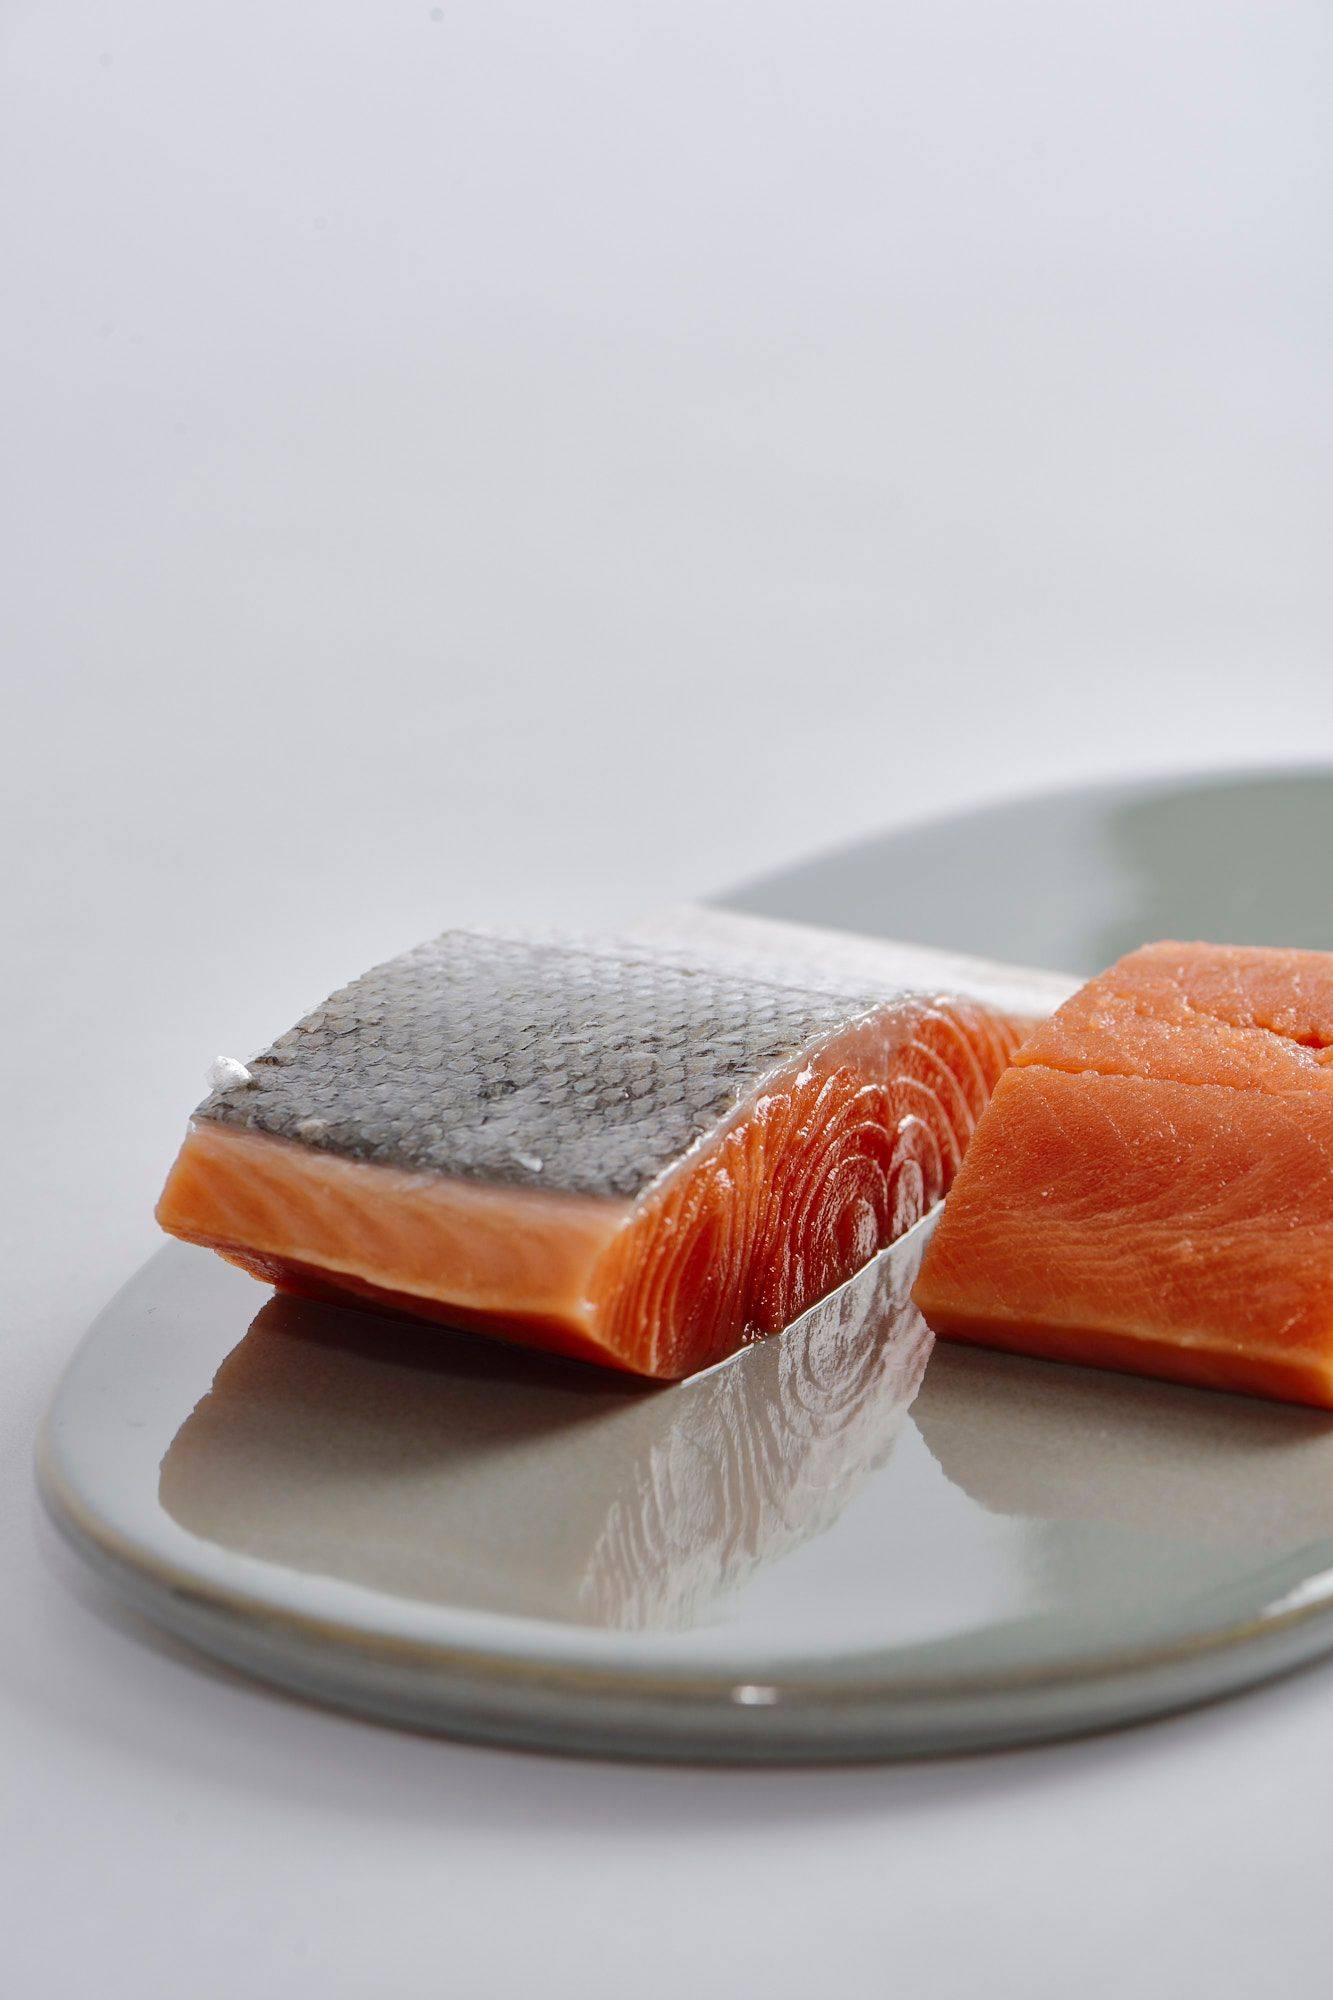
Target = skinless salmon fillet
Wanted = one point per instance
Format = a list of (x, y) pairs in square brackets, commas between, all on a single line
[(643, 1151), (1151, 1188)]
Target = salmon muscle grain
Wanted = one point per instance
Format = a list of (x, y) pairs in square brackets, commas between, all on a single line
[(1151, 1189)]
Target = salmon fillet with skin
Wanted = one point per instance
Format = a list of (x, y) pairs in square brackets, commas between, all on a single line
[(1151, 1188), (642, 1151)]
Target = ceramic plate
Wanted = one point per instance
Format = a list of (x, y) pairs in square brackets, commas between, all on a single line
[(838, 1544)]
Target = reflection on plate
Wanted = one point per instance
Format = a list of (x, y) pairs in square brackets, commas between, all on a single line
[(1054, 1443), (368, 1449)]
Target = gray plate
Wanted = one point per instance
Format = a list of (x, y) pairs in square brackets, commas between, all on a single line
[(822, 1549)]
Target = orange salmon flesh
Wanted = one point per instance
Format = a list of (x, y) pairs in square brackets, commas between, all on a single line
[(1151, 1187), (824, 1167)]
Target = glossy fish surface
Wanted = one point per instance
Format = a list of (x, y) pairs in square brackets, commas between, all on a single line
[(643, 1150), (1151, 1189)]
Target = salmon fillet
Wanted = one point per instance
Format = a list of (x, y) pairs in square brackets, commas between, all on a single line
[(643, 1151), (1151, 1188)]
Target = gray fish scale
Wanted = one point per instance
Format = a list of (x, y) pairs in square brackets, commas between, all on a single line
[(580, 1067)]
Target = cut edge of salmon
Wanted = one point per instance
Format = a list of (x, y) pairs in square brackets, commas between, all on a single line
[(293, 1216), (538, 1331), (1200, 1363)]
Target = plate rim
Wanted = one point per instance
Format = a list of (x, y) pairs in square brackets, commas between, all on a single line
[(843, 1704)]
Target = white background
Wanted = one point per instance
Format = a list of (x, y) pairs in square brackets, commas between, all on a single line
[(539, 460)]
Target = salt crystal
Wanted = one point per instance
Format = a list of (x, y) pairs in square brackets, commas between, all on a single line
[(225, 1071)]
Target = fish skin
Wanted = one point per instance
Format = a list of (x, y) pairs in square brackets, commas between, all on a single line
[(644, 1151), (582, 1066), (849, 961)]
